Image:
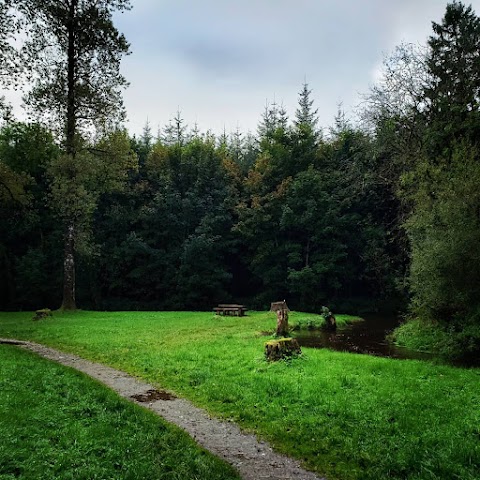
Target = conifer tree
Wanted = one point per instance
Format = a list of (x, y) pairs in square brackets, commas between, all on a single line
[(175, 131), (452, 98), (305, 135), (72, 54), (306, 115)]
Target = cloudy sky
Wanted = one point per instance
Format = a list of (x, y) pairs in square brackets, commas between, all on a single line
[(219, 61)]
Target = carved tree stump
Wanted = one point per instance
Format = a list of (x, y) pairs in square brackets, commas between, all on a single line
[(283, 348), (281, 309), (282, 323)]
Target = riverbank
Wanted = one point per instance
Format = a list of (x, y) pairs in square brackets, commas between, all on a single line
[(346, 416), (461, 347), (367, 335)]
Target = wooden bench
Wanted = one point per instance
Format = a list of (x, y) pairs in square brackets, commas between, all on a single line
[(230, 309)]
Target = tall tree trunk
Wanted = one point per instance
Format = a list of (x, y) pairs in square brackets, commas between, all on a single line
[(69, 270), (307, 254), (68, 302)]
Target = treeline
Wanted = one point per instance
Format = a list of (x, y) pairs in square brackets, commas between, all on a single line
[(382, 212), (199, 220)]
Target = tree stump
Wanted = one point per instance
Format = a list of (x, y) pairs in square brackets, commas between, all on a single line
[(331, 323), (281, 309), (283, 348)]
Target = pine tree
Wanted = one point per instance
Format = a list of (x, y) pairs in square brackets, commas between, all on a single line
[(306, 115), (73, 53), (453, 97), (305, 135), (174, 132), (269, 121), (147, 137)]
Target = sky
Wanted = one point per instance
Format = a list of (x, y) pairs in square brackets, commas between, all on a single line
[(219, 62)]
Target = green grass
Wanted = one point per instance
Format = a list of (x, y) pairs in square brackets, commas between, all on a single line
[(460, 346), (346, 416), (58, 423), (317, 322), (422, 337)]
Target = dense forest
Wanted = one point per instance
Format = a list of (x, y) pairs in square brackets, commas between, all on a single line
[(381, 212)]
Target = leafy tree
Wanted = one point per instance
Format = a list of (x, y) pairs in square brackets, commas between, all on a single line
[(424, 115), (9, 65), (27, 260), (27, 148), (399, 94), (395, 113), (13, 186), (9, 26), (73, 54), (444, 231), (453, 125), (440, 188)]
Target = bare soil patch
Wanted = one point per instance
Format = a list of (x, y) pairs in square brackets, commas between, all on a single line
[(152, 395)]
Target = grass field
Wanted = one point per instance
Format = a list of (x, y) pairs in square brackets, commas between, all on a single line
[(58, 423), (346, 416)]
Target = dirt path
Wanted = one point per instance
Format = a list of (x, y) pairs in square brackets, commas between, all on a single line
[(253, 459)]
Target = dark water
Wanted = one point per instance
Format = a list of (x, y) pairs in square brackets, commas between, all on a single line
[(367, 336)]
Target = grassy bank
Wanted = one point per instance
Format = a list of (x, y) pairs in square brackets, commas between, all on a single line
[(461, 346), (421, 337), (303, 321), (346, 416), (57, 423)]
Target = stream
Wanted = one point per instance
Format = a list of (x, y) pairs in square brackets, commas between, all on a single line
[(367, 336)]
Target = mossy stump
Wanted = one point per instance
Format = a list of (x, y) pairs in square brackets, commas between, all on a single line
[(330, 323), (330, 320), (42, 313), (282, 348)]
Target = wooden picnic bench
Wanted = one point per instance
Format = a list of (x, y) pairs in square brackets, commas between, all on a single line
[(230, 309)]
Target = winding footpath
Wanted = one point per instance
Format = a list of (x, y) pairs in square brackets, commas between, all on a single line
[(254, 460)]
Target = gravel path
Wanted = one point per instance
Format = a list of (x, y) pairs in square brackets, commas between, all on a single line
[(253, 459)]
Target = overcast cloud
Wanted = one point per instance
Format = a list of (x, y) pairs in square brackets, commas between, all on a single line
[(219, 61)]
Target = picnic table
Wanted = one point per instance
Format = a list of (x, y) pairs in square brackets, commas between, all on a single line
[(230, 309)]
